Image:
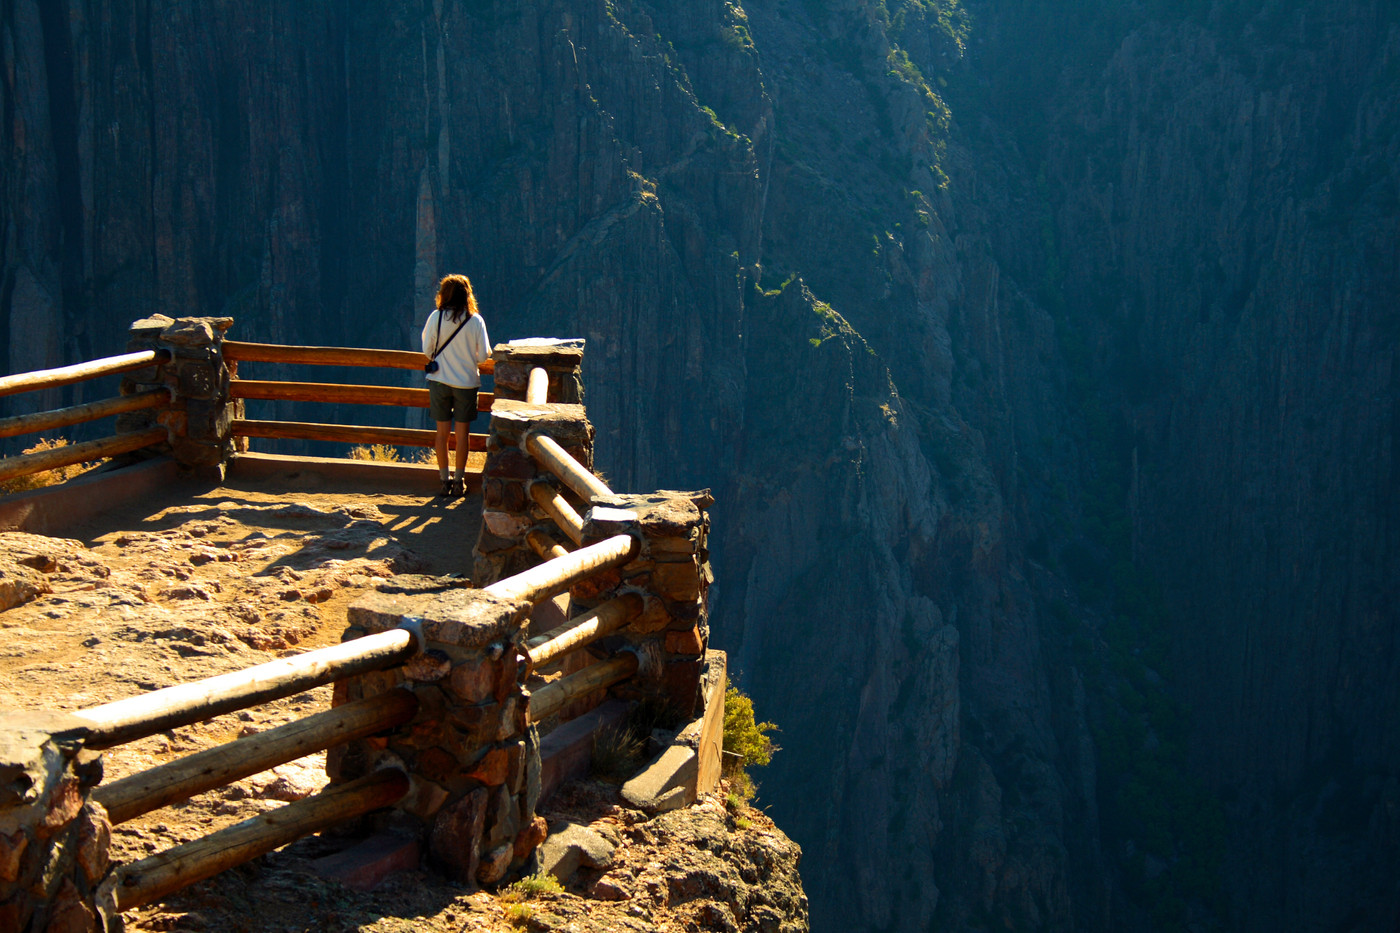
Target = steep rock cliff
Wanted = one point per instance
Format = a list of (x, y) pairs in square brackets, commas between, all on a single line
[(1211, 221), (1040, 357)]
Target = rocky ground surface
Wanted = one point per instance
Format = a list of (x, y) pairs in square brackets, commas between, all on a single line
[(156, 593)]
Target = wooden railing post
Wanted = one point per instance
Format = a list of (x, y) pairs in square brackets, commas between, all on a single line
[(672, 573), (53, 840), (471, 756), (201, 412)]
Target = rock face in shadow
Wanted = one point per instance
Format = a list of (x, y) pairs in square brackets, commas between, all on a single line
[(1042, 359), (1242, 255)]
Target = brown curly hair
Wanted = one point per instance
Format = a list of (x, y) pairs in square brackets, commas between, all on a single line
[(456, 296)]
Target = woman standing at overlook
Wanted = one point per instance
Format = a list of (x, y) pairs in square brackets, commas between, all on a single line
[(455, 343)]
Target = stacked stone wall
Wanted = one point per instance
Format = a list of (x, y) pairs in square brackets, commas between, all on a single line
[(199, 419), (508, 511), (672, 574), (471, 756), (561, 359), (53, 840)]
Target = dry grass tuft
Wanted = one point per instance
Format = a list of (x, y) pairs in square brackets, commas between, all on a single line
[(45, 477)]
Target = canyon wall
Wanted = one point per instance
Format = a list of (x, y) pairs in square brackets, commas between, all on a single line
[(1042, 359)]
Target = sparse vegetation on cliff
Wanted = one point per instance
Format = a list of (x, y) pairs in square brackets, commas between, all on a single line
[(746, 743), (45, 477)]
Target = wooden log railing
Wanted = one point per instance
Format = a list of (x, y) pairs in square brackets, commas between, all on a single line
[(77, 414), (236, 350), (151, 878), (549, 699), (55, 457), (350, 434), (80, 372), (537, 388), (556, 459), (584, 630), (135, 717), (111, 446), (554, 577), (398, 396), (183, 778), (558, 508), (545, 546), (139, 716)]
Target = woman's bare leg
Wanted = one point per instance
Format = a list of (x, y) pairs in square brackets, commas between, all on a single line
[(440, 446), (461, 459)]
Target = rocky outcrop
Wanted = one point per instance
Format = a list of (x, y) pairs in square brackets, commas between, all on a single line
[(715, 865)]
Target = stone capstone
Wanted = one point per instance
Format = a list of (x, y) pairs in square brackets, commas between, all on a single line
[(666, 783)]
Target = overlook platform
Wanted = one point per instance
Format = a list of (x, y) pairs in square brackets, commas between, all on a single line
[(207, 631), (187, 580)]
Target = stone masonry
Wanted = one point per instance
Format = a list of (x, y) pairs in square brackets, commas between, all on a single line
[(200, 416), (53, 841), (562, 359), (672, 573), (470, 753), (508, 512)]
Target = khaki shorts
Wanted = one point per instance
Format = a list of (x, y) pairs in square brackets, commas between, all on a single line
[(449, 403)]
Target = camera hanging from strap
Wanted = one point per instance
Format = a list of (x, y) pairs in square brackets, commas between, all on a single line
[(432, 365)]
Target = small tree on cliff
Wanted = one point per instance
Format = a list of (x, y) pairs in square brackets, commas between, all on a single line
[(746, 743)]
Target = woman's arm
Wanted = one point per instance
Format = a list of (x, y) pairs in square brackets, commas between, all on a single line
[(480, 343), (427, 337)]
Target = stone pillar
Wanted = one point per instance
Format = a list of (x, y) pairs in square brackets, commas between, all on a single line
[(508, 512), (562, 359), (672, 572), (201, 414), (53, 841), (471, 756)]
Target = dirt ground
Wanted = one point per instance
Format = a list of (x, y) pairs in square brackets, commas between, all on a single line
[(198, 582)]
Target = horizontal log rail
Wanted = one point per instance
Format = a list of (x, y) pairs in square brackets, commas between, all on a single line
[(78, 414), (78, 372), (237, 350), (39, 461), (266, 389), (556, 459), (194, 774), (545, 546), (582, 630), (555, 506), (549, 699), (398, 396), (152, 878), (139, 716), (554, 577), (349, 434)]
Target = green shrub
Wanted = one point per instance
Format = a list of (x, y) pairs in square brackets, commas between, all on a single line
[(532, 886), (746, 743)]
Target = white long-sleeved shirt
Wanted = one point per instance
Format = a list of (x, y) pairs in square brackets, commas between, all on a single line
[(459, 359)]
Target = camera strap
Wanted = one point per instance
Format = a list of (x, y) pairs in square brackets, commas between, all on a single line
[(438, 348)]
